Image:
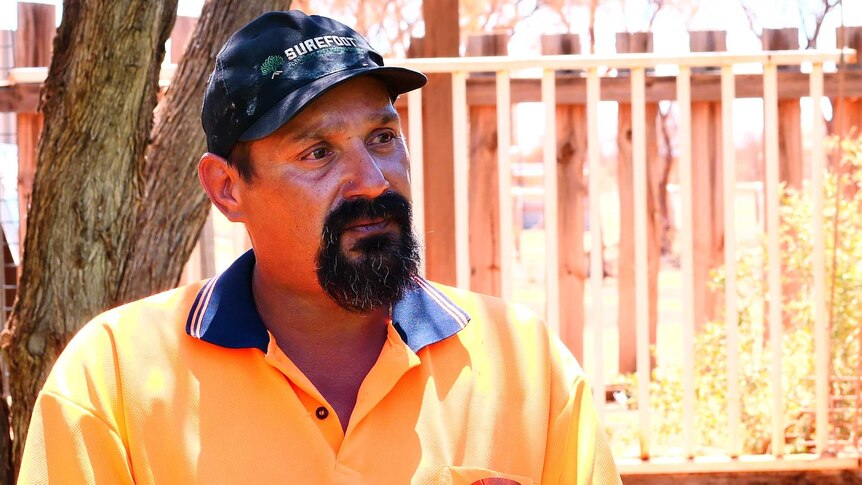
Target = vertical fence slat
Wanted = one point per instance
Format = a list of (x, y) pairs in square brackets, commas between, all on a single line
[(504, 172), (821, 323), (596, 261), (773, 219), (683, 102), (462, 174), (641, 264), (206, 244), (552, 282), (417, 181), (731, 314)]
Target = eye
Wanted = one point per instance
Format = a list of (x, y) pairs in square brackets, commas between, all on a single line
[(383, 138), (316, 154)]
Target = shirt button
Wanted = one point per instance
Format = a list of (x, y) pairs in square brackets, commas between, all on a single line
[(322, 413)]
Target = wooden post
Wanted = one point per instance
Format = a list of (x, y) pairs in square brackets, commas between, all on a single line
[(708, 210), (484, 204), (7, 61), (789, 114), (183, 28), (631, 43), (571, 193), (33, 46), (847, 112), (442, 39), (790, 169)]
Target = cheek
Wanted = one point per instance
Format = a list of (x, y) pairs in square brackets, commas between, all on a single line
[(397, 172)]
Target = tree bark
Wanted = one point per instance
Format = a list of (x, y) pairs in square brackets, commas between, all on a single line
[(116, 206), (165, 233)]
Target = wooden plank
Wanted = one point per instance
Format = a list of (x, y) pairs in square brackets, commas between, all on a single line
[(706, 166), (550, 212), (33, 47), (846, 103), (504, 183), (19, 98), (414, 124), (790, 168), (180, 35), (571, 193), (597, 275), (847, 117), (773, 249), (790, 143), (441, 40), (731, 309), (626, 271), (29, 128), (461, 171), (789, 116), (645, 305), (35, 35), (683, 99), (484, 207), (706, 170), (851, 37), (822, 337)]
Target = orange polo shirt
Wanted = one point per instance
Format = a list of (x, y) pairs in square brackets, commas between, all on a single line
[(189, 387)]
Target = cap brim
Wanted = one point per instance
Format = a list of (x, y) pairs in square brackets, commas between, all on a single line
[(398, 80)]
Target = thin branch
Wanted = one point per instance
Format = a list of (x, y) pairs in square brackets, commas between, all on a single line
[(802, 21), (752, 18), (667, 230), (812, 41), (594, 5), (658, 4), (494, 7)]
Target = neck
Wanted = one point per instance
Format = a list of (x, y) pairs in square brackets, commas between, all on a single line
[(305, 321)]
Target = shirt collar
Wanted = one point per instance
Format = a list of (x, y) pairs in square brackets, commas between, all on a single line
[(224, 312)]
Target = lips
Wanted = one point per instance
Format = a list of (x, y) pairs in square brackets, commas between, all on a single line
[(368, 225)]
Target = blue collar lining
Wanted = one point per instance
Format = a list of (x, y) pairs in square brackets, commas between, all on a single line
[(224, 312)]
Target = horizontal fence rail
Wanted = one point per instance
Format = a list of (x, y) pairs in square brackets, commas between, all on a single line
[(622, 61)]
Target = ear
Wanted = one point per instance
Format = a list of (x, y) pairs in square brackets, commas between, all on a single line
[(221, 183)]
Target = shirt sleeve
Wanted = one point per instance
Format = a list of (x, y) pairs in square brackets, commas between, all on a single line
[(75, 433), (69, 444), (577, 451)]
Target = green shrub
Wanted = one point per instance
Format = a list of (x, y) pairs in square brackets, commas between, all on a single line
[(843, 242)]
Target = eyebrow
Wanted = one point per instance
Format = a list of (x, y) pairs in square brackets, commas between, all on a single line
[(316, 132)]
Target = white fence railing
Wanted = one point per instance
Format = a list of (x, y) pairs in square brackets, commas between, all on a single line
[(638, 64)]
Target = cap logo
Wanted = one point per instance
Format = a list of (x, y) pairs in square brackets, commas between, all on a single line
[(316, 43), (272, 65)]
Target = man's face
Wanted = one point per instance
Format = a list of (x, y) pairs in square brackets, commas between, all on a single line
[(327, 206)]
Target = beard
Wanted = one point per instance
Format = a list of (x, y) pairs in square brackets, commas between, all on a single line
[(387, 264)]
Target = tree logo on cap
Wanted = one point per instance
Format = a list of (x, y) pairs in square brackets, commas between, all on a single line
[(272, 66)]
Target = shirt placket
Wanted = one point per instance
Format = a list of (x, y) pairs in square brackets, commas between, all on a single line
[(318, 409)]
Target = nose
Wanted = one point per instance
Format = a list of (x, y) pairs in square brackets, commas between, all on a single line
[(364, 178)]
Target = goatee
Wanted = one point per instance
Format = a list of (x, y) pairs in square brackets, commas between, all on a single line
[(387, 264)]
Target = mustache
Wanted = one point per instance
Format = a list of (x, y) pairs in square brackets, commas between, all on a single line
[(389, 205)]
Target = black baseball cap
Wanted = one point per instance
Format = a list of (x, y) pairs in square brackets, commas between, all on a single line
[(276, 65)]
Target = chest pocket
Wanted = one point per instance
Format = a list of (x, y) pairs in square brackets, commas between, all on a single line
[(458, 475)]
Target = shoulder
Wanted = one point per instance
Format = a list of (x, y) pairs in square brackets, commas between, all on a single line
[(150, 314), (515, 333), (146, 330)]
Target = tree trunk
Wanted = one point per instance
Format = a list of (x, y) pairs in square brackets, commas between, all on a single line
[(116, 206), (166, 231)]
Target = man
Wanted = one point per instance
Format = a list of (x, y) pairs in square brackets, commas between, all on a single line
[(320, 356)]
